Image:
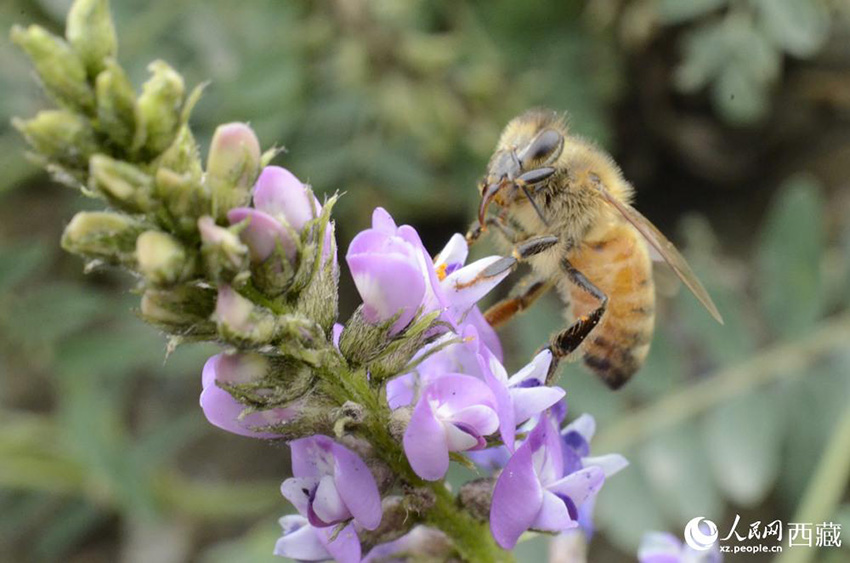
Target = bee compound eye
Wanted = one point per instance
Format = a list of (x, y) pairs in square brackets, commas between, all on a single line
[(545, 147)]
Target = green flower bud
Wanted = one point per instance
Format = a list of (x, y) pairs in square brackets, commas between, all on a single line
[(91, 33), (60, 69), (122, 183), (183, 310), (232, 166), (224, 254), (184, 198), (183, 155), (240, 321), (103, 235), (60, 136), (159, 108), (162, 259), (116, 104)]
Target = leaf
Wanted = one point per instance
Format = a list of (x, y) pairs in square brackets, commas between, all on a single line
[(739, 95), (814, 405), (790, 247), (52, 311), (670, 12), (800, 27), (626, 508), (704, 56), (744, 442), (19, 262), (677, 470)]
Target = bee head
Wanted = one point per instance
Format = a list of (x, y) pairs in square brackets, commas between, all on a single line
[(515, 167)]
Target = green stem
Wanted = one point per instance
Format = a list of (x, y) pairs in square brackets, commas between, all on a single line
[(471, 537), (772, 364), (826, 487)]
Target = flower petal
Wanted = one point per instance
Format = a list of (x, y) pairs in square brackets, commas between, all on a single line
[(531, 402), (579, 486), (554, 516), (299, 540), (357, 487), (345, 547), (262, 234), (481, 418), (457, 391), (585, 425), (463, 290), (388, 284), (453, 254), (327, 503), (401, 390), (517, 499), (312, 457), (383, 221), (496, 379), (425, 443), (280, 194), (610, 463), (659, 547), (298, 490), (486, 332), (460, 438), (534, 372)]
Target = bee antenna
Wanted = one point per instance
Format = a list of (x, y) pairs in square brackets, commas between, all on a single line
[(534, 205)]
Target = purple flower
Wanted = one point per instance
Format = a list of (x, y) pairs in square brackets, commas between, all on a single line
[(222, 410), (282, 207), (533, 492), (522, 396), (460, 357), (331, 484), (453, 414), (387, 266), (394, 275), (663, 547), (576, 438), (302, 542), (428, 543), (455, 288)]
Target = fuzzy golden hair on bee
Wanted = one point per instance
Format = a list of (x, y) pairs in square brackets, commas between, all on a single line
[(565, 208)]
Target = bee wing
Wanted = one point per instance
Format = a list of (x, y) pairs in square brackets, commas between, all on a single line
[(665, 249)]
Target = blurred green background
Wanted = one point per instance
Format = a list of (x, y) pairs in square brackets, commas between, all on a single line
[(732, 119)]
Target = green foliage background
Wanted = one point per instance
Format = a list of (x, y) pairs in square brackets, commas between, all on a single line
[(732, 118)]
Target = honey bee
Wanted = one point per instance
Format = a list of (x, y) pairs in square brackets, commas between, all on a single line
[(565, 209)]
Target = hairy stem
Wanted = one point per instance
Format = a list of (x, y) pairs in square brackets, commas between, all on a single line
[(471, 537)]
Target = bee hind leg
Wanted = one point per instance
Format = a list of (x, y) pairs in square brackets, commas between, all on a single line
[(531, 288), (567, 341)]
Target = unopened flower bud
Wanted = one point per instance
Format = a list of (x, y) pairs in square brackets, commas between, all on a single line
[(183, 156), (102, 235), (116, 104), (60, 69), (232, 166), (225, 256), (91, 33), (122, 183), (476, 496), (183, 310), (60, 136), (162, 259), (184, 198), (159, 108), (240, 321)]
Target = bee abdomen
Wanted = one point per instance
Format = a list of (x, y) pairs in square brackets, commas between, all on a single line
[(619, 265)]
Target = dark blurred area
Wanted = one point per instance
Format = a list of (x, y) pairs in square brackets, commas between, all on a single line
[(730, 117)]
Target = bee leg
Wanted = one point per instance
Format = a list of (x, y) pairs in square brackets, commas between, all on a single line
[(567, 341), (521, 252), (512, 232), (503, 311)]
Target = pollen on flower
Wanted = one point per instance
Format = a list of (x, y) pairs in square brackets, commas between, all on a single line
[(441, 271)]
